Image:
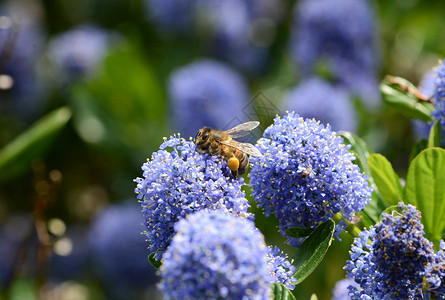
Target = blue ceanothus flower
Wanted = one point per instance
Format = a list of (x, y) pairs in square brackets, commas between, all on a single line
[(282, 269), (215, 255), (342, 34), (178, 183), (393, 260), (207, 93), (433, 86), (438, 98), (330, 104), (306, 175)]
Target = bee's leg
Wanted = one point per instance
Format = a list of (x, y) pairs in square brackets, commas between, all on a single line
[(235, 173)]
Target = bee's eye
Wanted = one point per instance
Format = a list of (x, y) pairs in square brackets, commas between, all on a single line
[(205, 135)]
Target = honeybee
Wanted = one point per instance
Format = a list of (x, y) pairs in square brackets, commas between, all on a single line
[(218, 142), (306, 173)]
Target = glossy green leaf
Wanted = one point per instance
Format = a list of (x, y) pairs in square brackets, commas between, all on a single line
[(390, 210), (153, 261), (280, 292), (386, 180), (362, 151), (405, 103), (417, 148), (16, 157), (312, 251), (425, 188), (299, 232), (434, 136)]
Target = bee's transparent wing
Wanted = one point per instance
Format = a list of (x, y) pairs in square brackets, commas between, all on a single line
[(242, 129), (244, 147)]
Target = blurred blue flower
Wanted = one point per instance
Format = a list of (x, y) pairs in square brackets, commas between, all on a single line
[(204, 261), (393, 258), (119, 252), (343, 35), (178, 183), (282, 268), (438, 98), (315, 98), (306, 174), (341, 291), (171, 14), (70, 261), (21, 44), (238, 32), (79, 51), (15, 233), (206, 93), (433, 85)]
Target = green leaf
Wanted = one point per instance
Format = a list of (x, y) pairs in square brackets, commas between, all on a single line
[(362, 151), (386, 180), (153, 261), (312, 251), (299, 232), (313, 297), (417, 148), (425, 188), (404, 102), (281, 292), (390, 210), (434, 136), (16, 157)]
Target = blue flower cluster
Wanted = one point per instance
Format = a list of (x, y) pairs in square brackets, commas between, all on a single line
[(394, 259), (438, 98), (342, 35), (178, 183), (215, 255), (79, 51), (433, 85), (316, 98), (281, 268), (206, 93), (119, 251), (306, 174), (438, 273), (236, 31)]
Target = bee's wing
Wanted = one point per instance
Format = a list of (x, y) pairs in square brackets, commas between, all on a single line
[(244, 147), (242, 129)]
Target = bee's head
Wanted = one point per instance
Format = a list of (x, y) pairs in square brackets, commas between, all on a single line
[(202, 136)]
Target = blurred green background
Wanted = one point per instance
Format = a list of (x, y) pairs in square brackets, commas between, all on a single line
[(74, 145)]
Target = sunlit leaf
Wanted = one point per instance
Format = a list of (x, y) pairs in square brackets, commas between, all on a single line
[(16, 157), (386, 180), (425, 188), (434, 136)]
